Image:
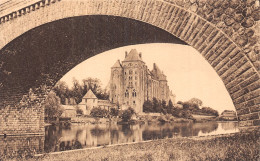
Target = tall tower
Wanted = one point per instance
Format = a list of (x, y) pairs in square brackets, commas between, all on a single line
[(134, 80), (116, 83)]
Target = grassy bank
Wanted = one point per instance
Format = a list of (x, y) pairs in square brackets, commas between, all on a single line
[(239, 146)]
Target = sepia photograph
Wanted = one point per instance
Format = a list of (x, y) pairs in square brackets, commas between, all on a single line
[(129, 80)]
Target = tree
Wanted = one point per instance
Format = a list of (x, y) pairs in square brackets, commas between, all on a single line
[(170, 107), (79, 111), (148, 106), (163, 107), (77, 91), (180, 102), (195, 101), (210, 111), (156, 105), (99, 112), (114, 112), (53, 109), (62, 91), (127, 114)]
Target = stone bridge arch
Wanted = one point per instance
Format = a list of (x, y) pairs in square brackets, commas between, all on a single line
[(225, 32)]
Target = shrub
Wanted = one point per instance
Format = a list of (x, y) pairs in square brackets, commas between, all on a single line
[(79, 111), (127, 114), (98, 112), (114, 112)]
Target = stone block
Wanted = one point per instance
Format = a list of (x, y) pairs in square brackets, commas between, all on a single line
[(250, 103), (184, 24), (239, 93), (246, 123), (255, 108), (251, 116), (250, 80), (196, 26), (180, 21), (191, 29), (243, 111)]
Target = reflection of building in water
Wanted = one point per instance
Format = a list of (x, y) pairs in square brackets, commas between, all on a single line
[(89, 101), (131, 83), (16, 146), (229, 126)]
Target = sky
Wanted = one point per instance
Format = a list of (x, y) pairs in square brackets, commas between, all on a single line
[(189, 75)]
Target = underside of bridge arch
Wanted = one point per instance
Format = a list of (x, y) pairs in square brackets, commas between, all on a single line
[(221, 31), (43, 55)]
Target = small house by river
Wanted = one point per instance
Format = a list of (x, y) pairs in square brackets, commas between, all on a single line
[(90, 101)]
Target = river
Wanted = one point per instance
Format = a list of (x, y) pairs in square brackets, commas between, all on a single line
[(92, 135)]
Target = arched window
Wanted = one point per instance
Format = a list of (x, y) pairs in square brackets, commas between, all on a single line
[(126, 93), (130, 72), (134, 93)]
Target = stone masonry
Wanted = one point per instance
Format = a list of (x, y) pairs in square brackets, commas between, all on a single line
[(225, 32), (21, 121)]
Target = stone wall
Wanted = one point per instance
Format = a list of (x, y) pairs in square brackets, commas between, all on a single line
[(13, 147), (225, 32), (20, 121)]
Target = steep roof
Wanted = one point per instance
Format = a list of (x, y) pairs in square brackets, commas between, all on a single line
[(133, 56), (117, 64), (90, 94), (157, 73)]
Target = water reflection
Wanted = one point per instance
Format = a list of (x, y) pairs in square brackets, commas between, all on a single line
[(84, 136)]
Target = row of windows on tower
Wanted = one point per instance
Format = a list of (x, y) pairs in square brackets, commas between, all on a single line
[(131, 78), (131, 72), (130, 84), (133, 93)]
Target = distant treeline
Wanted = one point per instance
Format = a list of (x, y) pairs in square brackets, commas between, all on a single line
[(181, 109)]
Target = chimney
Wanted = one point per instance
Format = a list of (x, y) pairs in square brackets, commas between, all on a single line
[(125, 54), (140, 55), (154, 66)]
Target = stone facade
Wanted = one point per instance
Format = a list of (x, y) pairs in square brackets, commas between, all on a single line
[(131, 82)]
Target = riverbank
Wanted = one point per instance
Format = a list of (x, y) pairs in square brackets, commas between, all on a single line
[(239, 146), (146, 118)]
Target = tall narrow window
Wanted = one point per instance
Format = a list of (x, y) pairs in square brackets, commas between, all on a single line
[(126, 93), (134, 93)]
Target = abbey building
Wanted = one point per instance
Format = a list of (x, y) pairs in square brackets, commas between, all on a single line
[(132, 83)]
